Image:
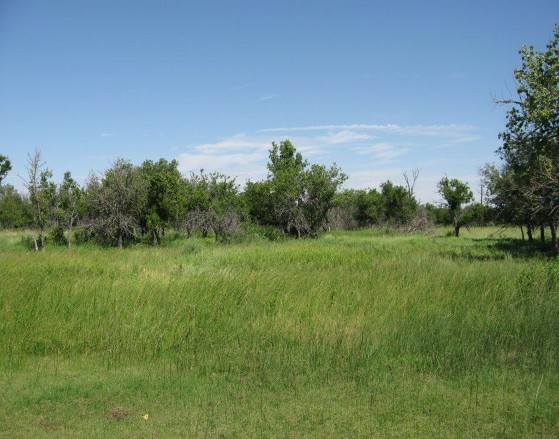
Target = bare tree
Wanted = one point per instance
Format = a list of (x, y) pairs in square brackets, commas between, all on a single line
[(32, 183), (410, 181)]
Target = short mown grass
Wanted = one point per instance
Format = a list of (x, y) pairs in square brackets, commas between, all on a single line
[(355, 334)]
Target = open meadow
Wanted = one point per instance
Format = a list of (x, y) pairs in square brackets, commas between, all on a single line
[(355, 334)]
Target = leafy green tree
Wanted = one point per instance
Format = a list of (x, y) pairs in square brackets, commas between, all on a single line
[(531, 139), (165, 196), (286, 176), (320, 186), (195, 216), (355, 208), (399, 203), (15, 210), (512, 203), (213, 204), (455, 193), (257, 197), (70, 197), (439, 215), (225, 205), (5, 167)]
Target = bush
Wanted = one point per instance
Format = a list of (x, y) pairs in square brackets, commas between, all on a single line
[(83, 235), (28, 243), (57, 236), (257, 231)]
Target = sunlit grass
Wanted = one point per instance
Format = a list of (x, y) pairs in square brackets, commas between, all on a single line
[(368, 333)]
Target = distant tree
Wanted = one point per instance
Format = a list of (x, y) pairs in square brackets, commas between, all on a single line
[(213, 204), (437, 214), (320, 185), (5, 167), (15, 210), (411, 180), (70, 197), (224, 213), (455, 193), (286, 168), (37, 185), (505, 190), (165, 196), (301, 197), (195, 215), (116, 202), (259, 203), (399, 206)]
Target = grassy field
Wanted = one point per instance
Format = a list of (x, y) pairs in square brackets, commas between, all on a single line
[(356, 334)]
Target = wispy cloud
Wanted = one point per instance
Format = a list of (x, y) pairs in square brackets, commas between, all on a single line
[(345, 136), (369, 153), (267, 97), (241, 87), (108, 135), (404, 130), (383, 151)]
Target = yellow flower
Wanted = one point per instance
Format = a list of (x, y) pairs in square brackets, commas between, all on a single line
[(146, 416)]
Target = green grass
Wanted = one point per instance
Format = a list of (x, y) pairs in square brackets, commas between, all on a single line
[(357, 334)]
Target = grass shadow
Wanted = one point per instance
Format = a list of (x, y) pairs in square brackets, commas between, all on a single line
[(518, 248)]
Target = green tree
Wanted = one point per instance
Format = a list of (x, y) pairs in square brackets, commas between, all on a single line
[(286, 168), (257, 197), (530, 147), (399, 203), (15, 210), (320, 186), (5, 167), (301, 197), (70, 197), (455, 193), (224, 213), (165, 196)]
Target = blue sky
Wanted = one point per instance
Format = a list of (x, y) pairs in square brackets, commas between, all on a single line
[(377, 87)]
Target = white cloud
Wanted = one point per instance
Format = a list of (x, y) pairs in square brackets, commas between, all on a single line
[(243, 167), (383, 151), (267, 97), (452, 130), (368, 163), (194, 162), (108, 135), (237, 141), (345, 136)]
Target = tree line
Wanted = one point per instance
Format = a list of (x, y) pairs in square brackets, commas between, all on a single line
[(130, 203)]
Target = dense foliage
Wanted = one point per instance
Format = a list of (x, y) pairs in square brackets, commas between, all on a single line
[(129, 203), (525, 188)]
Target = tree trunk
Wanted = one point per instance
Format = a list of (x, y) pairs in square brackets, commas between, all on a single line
[(69, 239), (529, 232), (120, 240), (42, 237), (542, 234), (456, 225), (522, 232), (35, 242), (554, 243)]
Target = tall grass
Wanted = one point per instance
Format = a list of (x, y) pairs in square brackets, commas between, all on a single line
[(363, 309)]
